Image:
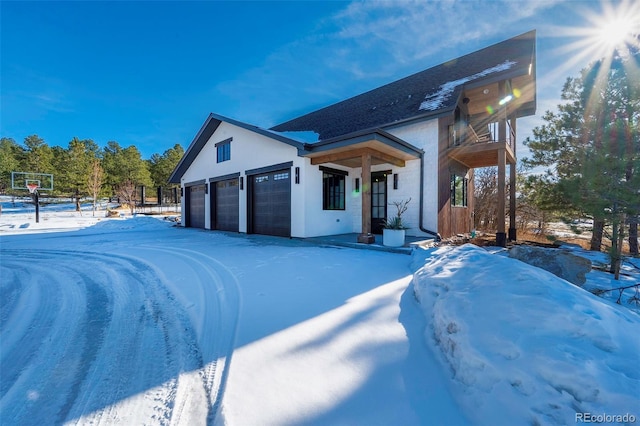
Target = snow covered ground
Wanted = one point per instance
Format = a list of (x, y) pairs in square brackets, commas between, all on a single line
[(524, 345), (136, 321)]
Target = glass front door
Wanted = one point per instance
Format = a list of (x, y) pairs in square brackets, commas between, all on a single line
[(378, 201)]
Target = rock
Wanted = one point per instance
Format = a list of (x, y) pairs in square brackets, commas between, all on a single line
[(559, 262)]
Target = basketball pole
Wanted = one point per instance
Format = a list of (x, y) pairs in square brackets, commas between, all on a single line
[(37, 202)]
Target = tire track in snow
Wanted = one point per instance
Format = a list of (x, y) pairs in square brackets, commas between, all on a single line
[(137, 313), (218, 323), (41, 340)]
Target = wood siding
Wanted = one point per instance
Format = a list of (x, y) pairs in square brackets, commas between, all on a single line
[(451, 220)]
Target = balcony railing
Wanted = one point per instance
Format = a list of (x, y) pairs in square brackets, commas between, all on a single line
[(487, 133)]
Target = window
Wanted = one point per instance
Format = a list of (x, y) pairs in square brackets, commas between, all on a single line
[(333, 191), (459, 191), (223, 150), (280, 176)]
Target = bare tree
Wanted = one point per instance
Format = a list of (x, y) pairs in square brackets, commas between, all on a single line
[(486, 197), (127, 194), (94, 182)]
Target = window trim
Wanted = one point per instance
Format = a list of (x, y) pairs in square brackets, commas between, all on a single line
[(223, 150), (465, 191)]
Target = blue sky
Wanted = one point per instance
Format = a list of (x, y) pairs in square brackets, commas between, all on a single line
[(148, 73)]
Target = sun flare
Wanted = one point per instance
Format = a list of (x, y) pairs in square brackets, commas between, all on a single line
[(611, 29), (617, 32)]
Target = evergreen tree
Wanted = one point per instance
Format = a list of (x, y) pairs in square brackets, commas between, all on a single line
[(124, 168), (77, 166), (11, 154), (38, 155), (590, 149), (112, 166), (161, 166)]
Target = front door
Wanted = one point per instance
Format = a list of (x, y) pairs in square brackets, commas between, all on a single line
[(378, 201)]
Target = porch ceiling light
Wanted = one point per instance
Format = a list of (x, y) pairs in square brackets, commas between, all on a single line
[(505, 100), (515, 93)]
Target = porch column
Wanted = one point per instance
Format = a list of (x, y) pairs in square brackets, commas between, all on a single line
[(366, 236), (501, 236), (512, 184)]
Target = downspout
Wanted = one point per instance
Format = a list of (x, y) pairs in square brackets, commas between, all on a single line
[(426, 231)]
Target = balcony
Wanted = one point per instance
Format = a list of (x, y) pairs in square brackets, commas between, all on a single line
[(478, 145)]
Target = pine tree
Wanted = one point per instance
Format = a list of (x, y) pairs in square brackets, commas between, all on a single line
[(590, 149), (38, 155), (10, 156)]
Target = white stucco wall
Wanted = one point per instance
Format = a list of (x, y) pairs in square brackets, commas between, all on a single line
[(327, 222), (249, 150), (422, 135)]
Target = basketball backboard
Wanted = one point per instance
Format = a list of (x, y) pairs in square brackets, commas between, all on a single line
[(23, 180)]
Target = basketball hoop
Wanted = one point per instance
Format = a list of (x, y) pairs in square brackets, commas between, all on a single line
[(34, 182), (32, 187)]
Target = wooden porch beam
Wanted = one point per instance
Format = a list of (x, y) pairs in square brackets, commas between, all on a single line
[(355, 153), (365, 193), (512, 188), (501, 236)]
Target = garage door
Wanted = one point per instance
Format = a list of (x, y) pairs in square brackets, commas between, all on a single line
[(196, 206), (271, 203), (225, 210)]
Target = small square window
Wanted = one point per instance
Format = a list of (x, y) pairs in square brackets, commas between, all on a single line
[(223, 151)]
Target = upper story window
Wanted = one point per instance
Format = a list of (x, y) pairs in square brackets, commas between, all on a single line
[(223, 150), (459, 191), (333, 189)]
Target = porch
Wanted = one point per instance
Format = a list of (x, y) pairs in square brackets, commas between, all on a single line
[(362, 150), (350, 240)]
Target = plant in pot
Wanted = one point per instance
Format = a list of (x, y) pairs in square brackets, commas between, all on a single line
[(394, 229)]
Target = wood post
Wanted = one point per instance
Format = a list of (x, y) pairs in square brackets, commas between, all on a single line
[(512, 185), (512, 202), (501, 236)]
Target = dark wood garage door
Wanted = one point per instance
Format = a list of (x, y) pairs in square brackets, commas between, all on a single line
[(227, 201), (196, 206), (271, 203)]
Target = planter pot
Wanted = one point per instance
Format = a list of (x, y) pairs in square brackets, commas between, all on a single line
[(393, 237)]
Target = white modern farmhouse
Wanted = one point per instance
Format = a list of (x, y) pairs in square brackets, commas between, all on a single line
[(335, 170)]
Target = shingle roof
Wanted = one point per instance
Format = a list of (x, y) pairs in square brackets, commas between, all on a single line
[(427, 93)]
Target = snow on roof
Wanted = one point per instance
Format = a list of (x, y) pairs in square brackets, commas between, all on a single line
[(435, 100)]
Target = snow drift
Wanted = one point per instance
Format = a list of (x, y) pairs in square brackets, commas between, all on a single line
[(524, 346)]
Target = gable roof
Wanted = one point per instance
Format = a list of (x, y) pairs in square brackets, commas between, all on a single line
[(432, 92), (208, 129)]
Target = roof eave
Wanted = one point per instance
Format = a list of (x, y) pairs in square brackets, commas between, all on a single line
[(208, 129), (362, 136), (195, 147)]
